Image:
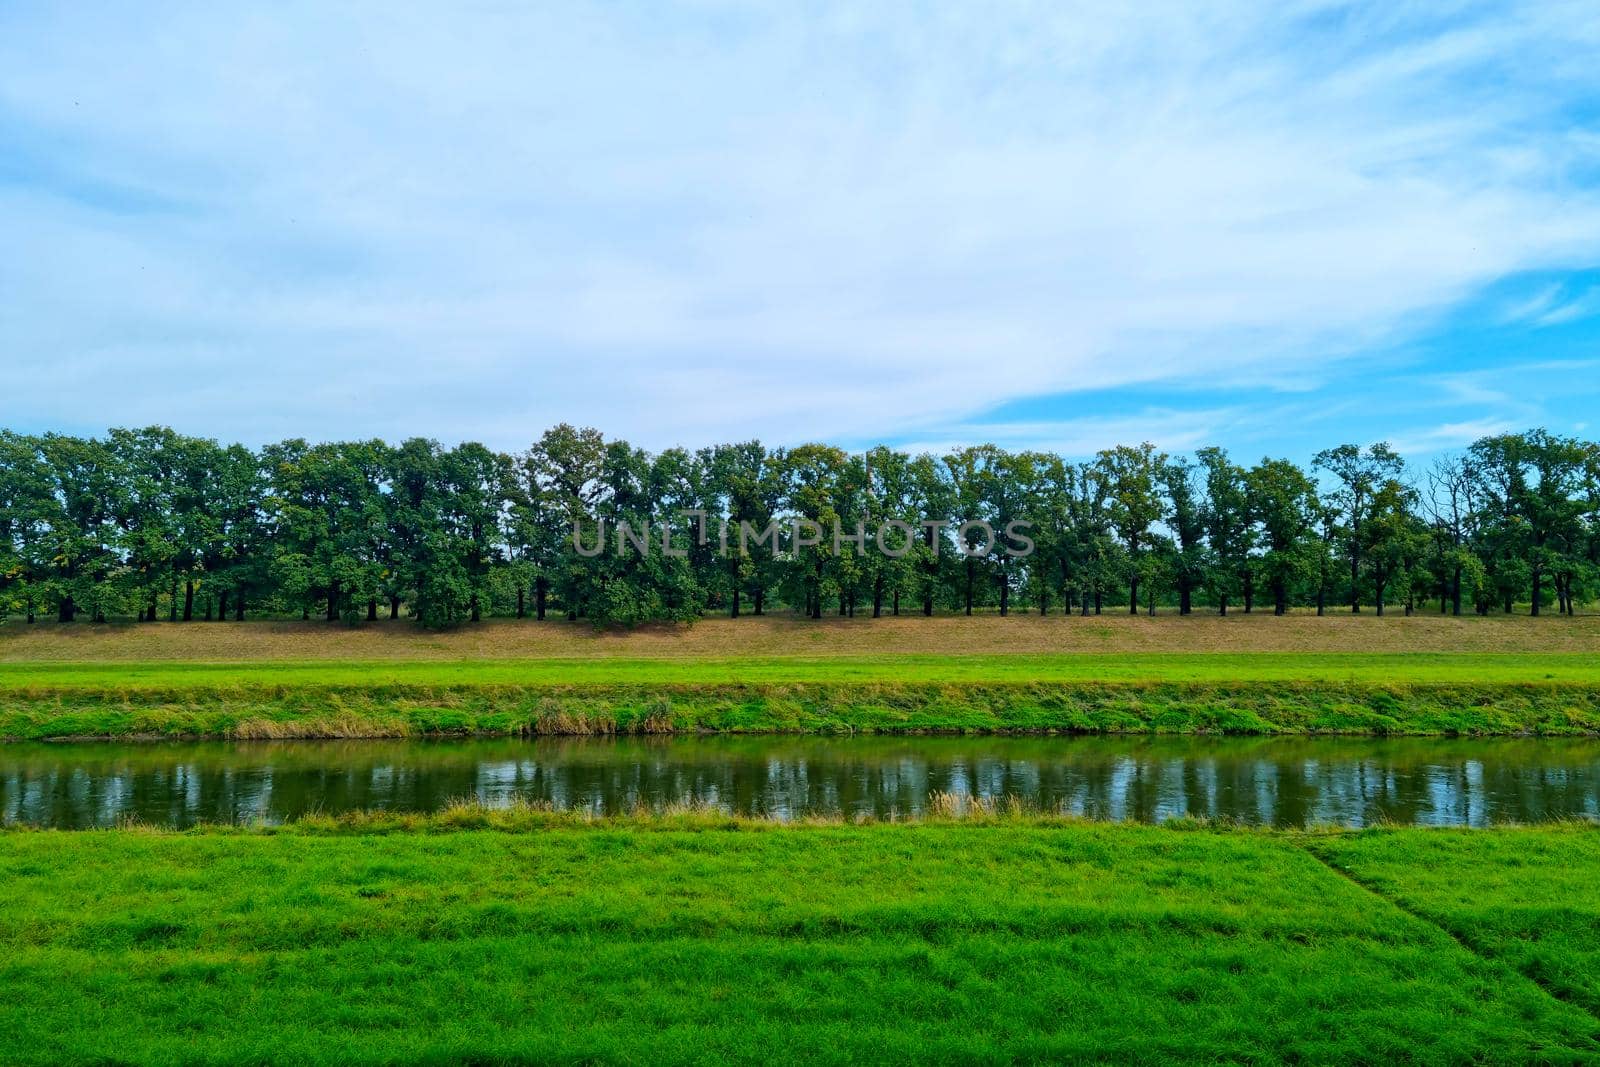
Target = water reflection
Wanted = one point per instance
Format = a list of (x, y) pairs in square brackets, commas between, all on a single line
[(1282, 782)]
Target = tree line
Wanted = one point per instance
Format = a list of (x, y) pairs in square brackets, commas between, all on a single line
[(152, 524)]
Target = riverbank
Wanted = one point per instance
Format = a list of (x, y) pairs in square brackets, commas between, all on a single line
[(695, 937), (1375, 695), (1425, 675)]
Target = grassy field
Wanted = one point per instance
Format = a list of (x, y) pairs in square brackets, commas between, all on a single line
[(783, 636), (1260, 675), (1414, 668), (526, 936)]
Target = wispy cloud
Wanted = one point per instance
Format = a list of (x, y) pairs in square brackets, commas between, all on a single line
[(1173, 430), (696, 221), (1580, 307), (1554, 306), (1450, 435)]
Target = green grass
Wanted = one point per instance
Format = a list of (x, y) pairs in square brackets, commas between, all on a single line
[(1528, 899), (1460, 694), (1384, 668), (703, 939)]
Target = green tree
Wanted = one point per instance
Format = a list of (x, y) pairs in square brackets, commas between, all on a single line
[(1283, 501), (1228, 526), (1135, 504), (1358, 474), (1185, 517)]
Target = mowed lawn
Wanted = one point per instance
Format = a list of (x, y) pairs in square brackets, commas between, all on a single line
[(717, 941), (1396, 668)]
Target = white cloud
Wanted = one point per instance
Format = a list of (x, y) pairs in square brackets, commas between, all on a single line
[(1580, 307), (703, 221), (1450, 435), (1169, 429)]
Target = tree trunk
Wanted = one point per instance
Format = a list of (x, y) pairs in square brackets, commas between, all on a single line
[(1097, 603), (477, 615), (238, 608), (1377, 592), (970, 568), (1185, 596), (394, 606), (372, 609), (1455, 593), (66, 611), (1222, 604), (541, 589), (1133, 596), (1280, 597), (1005, 596), (333, 600), (1083, 603), (733, 608), (1538, 584), (1249, 593), (761, 600), (896, 608), (222, 606), (522, 602), (1322, 598), (188, 600), (877, 597)]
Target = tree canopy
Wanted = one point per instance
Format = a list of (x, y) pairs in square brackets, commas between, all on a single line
[(148, 524)]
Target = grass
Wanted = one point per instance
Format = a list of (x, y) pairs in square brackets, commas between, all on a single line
[(1266, 693), (1526, 899), (521, 936), (1248, 675), (1415, 668), (782, 636)]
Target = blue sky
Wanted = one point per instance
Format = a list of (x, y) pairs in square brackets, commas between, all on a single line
[(1271, 226)]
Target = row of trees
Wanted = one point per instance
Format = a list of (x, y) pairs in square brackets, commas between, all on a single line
[(153, 524)]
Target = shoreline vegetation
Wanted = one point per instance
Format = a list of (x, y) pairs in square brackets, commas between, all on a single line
[(983, 675), (994, 936), (269, 711), (469, 815)]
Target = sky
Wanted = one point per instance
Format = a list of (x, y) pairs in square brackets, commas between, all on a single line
[(1273, 227)]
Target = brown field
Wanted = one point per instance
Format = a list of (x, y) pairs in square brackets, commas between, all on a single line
[(785, 635)]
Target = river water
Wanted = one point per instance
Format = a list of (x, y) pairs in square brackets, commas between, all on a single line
[(1260, 781)]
